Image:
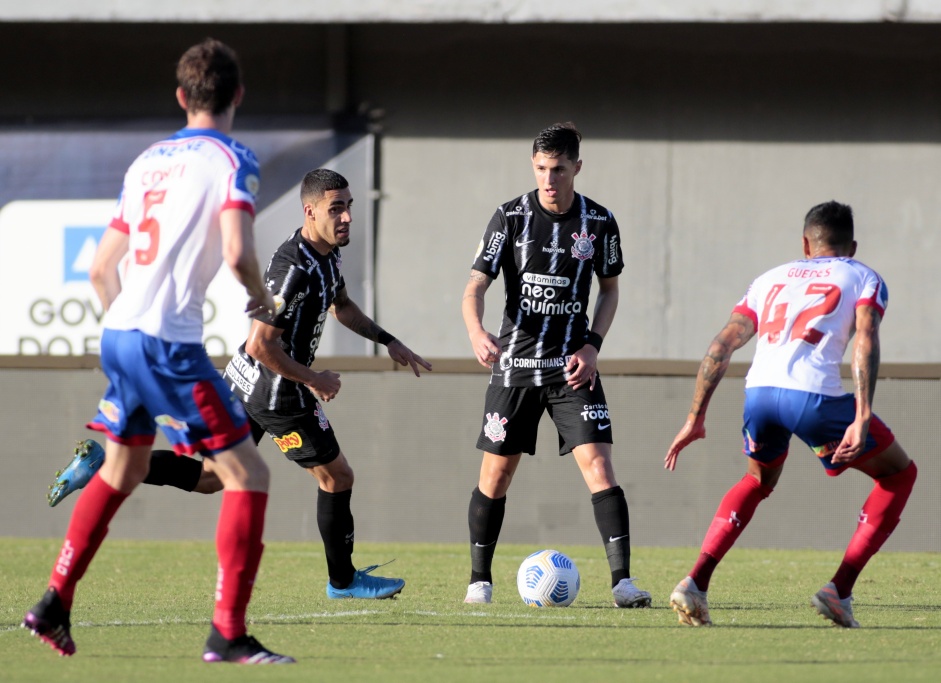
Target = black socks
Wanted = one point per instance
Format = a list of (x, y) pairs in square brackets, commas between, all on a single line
[(484, 519), (613, 522), (335, 521)]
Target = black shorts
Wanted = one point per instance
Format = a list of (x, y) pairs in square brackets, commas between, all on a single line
[(305, 438), (512, 414)]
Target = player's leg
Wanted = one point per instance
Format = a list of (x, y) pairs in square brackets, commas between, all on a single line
[(509, 428), (612, 519), (894, 475), (198, 414), (335, 521), (766, 446), (585, 429), (124, 469), (689, 598), (245, 479), (123, 417), (167, 468), (485, 515)]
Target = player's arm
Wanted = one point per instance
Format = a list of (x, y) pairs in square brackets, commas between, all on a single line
[(582, 367), (345, 310), (264, 345), (733, 336), (238, 251), (486, 346), (865, 368), (103, 273)]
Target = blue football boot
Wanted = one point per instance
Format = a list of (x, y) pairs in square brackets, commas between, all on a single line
[(368, 587), (88, 458)]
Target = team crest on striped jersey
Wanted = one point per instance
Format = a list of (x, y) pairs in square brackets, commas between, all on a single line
[(583, 249), (494, 428)]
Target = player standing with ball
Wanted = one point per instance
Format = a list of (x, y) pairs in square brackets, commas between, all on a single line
[(549, 244)]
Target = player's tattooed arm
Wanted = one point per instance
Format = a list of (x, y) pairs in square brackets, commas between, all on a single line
[(866, 356), (865, 368), (345, 310), (477, 285), (733, 336)]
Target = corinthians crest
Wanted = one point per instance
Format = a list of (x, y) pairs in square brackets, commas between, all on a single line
[(583, 249), (494, 427), (321, 418)]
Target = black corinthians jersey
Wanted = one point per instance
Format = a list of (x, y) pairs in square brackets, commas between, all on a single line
[(548, 262), (308, 283)]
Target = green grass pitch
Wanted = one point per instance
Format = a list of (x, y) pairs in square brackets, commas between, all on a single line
[(142, 614)]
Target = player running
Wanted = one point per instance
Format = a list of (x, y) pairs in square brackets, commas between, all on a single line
[(271, 374), (187, 204), (549, 244), (804, 314)]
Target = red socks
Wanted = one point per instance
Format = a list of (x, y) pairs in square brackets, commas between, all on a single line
[(881, 513), (238, 543), (88, 527), (734, 513)]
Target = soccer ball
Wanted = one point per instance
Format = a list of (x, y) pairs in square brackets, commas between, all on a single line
[(548, 579)]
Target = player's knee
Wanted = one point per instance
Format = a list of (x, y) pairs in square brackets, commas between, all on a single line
[(209, 482), (343, 480)]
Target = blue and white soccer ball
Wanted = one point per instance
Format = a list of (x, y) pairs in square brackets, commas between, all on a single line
[(548, 579)]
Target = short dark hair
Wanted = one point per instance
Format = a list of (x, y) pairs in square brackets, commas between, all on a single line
[(319, 182), (830, 223), (558, 139), (209, 74)]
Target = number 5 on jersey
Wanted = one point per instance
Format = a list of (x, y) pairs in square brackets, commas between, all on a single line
[(774, 316), (150, 226)]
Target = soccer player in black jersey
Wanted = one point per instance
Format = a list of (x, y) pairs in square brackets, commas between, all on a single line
[(270, 373), (549, 244)]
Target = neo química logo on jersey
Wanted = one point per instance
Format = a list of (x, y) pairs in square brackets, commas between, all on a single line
[(80, 244)]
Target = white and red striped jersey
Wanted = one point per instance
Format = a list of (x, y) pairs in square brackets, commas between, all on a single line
[(805, 315), (170, 204)]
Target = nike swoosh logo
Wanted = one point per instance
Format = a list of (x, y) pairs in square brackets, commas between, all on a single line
[(523, 244), (483, 545), (604, 426), (612, 539)]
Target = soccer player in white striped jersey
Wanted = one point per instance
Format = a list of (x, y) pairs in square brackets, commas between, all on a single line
[(187, 205), (804, 314), (549, 244)]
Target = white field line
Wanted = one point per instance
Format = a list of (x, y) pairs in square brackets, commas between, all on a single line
[(535, 614)]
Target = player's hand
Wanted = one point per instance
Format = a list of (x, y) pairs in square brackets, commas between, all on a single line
[(693, 430), (486, 347), (326, 385), (582, 367), (261, 305), (403, 355), (853, 443)]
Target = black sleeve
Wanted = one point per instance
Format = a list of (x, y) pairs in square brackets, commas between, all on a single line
[(490, 249), (609, 261)]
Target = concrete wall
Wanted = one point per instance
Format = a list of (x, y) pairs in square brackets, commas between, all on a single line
[(411, 444)]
